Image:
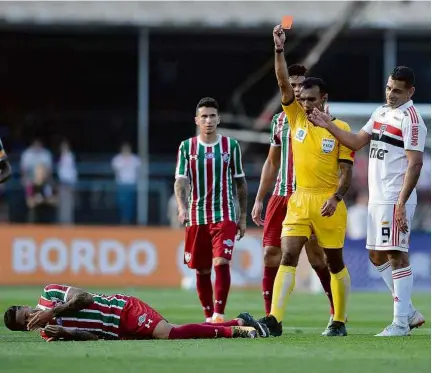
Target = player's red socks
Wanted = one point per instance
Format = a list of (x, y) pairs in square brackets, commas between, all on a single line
[(324, 276), (267, 286), (199, 331), (222, 287), (205, 293)]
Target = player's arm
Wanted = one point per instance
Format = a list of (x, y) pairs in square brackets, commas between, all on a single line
[(240, 179), (414, 137), (412, 174), (56, 332), (346, 161), (236, 165), (75, 300), (181, 183), (241, 186), (345, 177), (281, 69), (269, 172), (354, 141)]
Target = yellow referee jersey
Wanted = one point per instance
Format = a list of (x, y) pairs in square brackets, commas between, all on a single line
[(316, 152)]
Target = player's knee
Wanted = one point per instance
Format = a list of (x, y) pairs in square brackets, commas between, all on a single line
[(220, 261), (378, 258), (335, 262), (203, 271), (162, 330), (272, 256), (315, 254), (291, 249), (398, 259)]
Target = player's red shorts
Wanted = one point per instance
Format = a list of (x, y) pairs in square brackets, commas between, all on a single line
[(274, 217), (205, 242), (138, 320)]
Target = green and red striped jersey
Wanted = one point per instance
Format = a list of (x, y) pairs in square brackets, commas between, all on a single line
[(211, 169), (281, 136), (102, 317)]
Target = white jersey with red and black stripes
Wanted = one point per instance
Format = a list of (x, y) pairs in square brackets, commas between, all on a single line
[(393, 131)]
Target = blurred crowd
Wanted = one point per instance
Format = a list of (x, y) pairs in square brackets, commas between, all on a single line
[(50, 184)]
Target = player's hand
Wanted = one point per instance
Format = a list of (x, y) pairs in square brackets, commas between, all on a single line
[(400, 215), (329, 207), (257, 213), (279, 37), (54, 332), (183, 215), (38, 319), (241, 228), (319, 118), (327, 109)]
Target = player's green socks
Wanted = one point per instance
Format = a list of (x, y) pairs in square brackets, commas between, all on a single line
[(340, 286), (283, 286)]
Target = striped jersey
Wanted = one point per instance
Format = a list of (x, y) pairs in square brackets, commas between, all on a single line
[(392, 130), (280, 137), (210, 169), (102, 317)]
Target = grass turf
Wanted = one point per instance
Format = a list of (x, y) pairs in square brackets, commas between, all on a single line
[(301, 348)]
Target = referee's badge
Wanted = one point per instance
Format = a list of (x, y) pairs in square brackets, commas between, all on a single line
[(327, 145), (300, 134)]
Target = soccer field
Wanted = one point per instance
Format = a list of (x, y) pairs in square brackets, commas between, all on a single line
[(301, 349)]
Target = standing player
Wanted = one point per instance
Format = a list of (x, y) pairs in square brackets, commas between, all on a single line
[(323, 176), (279, 163), (397, 135), (69, 313), (5, 167), (211, 165)]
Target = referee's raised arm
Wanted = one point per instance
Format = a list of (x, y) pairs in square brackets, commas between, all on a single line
[(281, 69)]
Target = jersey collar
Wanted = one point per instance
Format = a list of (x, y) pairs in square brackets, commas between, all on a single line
[(212, 144), (405, 106)]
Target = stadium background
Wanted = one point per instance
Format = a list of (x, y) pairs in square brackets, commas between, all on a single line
[(98, 74)]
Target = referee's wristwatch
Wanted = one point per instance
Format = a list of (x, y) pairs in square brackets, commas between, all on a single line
[(338, 196)]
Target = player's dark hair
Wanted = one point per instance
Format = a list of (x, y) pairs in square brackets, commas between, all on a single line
[(297, 70), (208, 102), (404, 74), (315, 82), (10, 319)]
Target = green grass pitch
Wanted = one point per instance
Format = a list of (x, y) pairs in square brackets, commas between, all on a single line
[(301, 348)]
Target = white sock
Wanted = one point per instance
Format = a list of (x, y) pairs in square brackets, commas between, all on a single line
[(385, 271), (403, 284)]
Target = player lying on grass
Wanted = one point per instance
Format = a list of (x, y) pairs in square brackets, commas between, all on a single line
[(69, 313)]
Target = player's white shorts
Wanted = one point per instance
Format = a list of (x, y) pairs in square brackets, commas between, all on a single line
[(382, 232)]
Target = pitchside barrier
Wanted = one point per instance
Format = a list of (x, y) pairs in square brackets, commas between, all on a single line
[(118, 256)]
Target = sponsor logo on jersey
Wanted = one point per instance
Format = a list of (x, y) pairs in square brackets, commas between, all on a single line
[(376, 153), (193, 157), (209, 155), (327, 145)]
